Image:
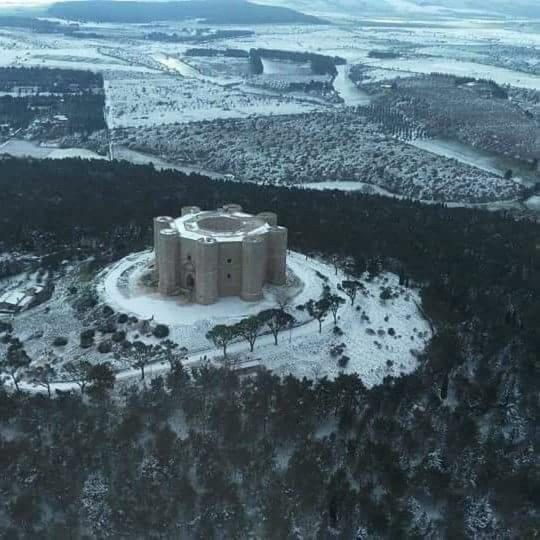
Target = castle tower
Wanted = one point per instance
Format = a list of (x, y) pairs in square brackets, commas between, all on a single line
[(231, 208), (219, 253), (276, 240), (269, 217), (169, 261), (253, 267), (206, 285), (160, 223), (186, 210)]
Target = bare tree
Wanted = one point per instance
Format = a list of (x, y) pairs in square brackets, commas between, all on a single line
[(334, 304), (318, 310), (142, 355), (221, 335), (250, 329), (14, 362), (44, 376), (276, 320), (80, 371), (173, 353), (351, 289)]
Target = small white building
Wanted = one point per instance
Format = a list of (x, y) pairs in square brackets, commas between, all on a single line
[(18, 299)]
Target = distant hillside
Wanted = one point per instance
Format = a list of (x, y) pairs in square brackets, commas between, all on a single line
[(403, 8), (212, 11)]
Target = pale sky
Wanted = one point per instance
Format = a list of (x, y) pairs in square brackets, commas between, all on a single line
[(23, 3)]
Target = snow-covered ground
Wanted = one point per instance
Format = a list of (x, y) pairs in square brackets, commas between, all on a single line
[(456, 67), (462, 153), (121, 289), (21, 148), (160, 99), (153, 82), (380, 338)]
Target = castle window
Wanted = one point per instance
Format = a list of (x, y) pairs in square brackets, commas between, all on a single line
[(228, 276), (229, 261), (189, 257)]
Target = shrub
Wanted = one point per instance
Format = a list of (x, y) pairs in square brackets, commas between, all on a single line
[(161, 331), (343, 361), (338, 331), (105, 347), (107, 327), (6, 327), (391, 332), (87, 338), (60, 341), (119, 336), (88, 334), (86, 343), (86, 301), (122, 318)]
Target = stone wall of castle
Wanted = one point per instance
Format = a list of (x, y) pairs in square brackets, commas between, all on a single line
[(210, 267)]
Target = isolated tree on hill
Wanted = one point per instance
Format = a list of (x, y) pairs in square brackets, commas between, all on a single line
[(351, 288), (14, 362), (250, 329), (256, 65), (79, 370), (173, 353), (44, 375), (101, 379), (334, 304), (276, 320), (142, 354), (318, 310), (177, 378), (386, 294), (221, 335)]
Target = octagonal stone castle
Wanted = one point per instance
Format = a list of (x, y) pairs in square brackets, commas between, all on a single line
[(208, 255)]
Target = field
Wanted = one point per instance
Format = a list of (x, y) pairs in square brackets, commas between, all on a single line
[(164, 100)]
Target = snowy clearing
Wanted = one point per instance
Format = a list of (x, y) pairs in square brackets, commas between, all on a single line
[(20, 148), (380, 337)]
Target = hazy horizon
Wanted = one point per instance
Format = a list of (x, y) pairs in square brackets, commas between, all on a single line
[(399, 8)]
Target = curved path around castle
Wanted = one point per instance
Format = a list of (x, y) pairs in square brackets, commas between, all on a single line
[(384, 345)]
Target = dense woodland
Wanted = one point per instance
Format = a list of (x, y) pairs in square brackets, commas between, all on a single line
[(228, 53), (50, 80), (476, 112), (320, 64), (84, 113), (199, 37), (36, 25), (38, 99), (448, 451)]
